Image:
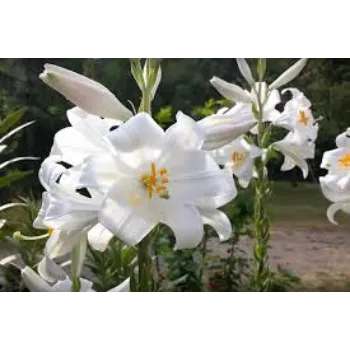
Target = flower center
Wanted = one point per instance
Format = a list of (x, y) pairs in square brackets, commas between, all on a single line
[(238, 159), (303, 119), (344, 161), (156, 182)]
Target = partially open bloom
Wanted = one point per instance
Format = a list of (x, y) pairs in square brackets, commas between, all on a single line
[(68, 213), (238, 157), (270, 98), (223, 128), (295, 153), (297, 117), (155, 176), (85, 93)]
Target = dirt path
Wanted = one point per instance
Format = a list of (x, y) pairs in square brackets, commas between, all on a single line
[(315, 255)]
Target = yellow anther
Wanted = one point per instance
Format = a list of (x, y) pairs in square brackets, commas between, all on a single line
[(156, 182), (163, 171), (165, 180), (303, 119), (50, 231), (344, 161)]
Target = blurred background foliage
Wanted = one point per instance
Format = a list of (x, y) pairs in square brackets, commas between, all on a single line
[(185, 86)]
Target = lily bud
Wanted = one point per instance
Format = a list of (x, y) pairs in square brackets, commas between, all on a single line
[(221, 129), (289, 74), (230, 91), (245, 71), (85, 93)]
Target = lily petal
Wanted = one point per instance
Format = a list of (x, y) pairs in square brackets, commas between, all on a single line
[(230, 91), (186, 223), (289, 74), (185, 133), (89, 95), (99, 237), (140, 131), (34, 282), (50, 271), (122, 287), (332, 209), (124, 222), (245, 70), (219, 221)]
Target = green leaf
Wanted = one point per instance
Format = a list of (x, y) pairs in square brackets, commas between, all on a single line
[(13, 176), (11, 119)]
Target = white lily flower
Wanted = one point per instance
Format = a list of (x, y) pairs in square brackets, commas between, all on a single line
[(295, 153), (156, 176), (35, 283), (68, 213), (238, 157), (89, 95), (227, 125), (297, 117), (337, 162), (289, 74), (338, 192)]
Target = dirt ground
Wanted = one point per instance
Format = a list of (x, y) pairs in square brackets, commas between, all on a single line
[(318, 256)]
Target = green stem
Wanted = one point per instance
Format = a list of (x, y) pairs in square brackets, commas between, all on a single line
[(76, 285), (145, 273), (261, 270), (203, 253)]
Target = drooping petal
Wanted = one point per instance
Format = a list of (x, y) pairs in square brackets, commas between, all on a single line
[(34, 282), (99, 237), (50, 271), (89, 95), (333, 208), (186, 223), (219, 221), (230, 91), (289, 74)]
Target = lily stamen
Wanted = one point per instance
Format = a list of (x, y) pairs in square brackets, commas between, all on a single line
[(156, 182), (344, 161)]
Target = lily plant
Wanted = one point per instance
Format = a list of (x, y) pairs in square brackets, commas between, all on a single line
[(115, 172)]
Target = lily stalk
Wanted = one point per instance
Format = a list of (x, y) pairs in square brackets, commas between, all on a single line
[(148, 80), (260, 278)]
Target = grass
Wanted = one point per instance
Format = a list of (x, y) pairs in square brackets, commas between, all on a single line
[(303, 206)]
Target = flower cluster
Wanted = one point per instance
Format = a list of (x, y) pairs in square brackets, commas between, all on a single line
[(336, 184), (112, 173)]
